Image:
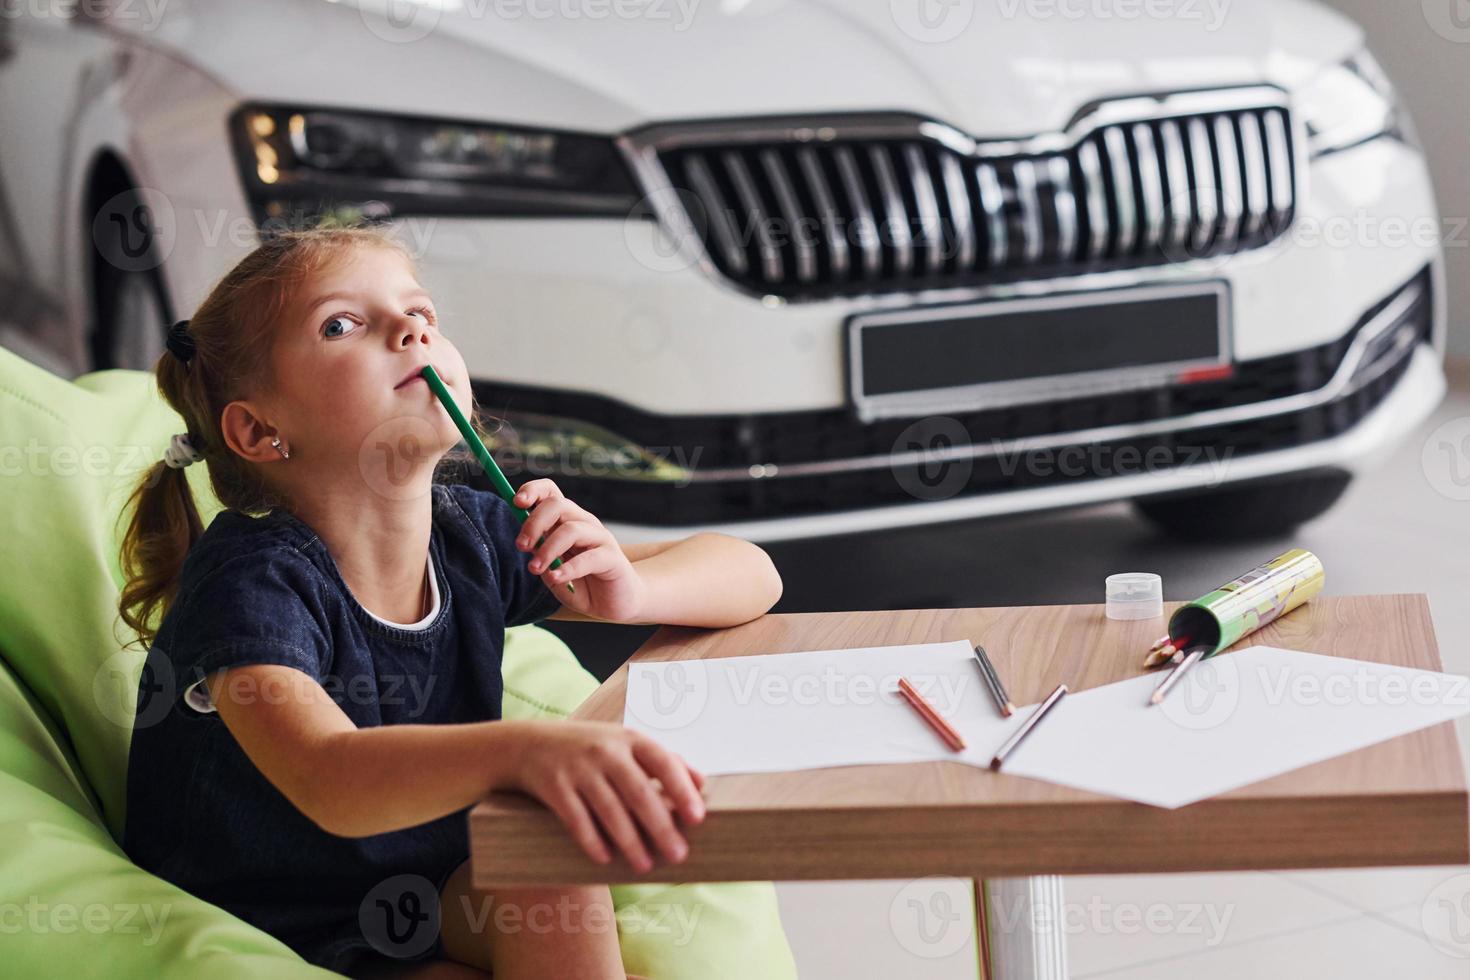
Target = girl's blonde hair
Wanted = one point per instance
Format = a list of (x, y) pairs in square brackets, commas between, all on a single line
[(233, 332)]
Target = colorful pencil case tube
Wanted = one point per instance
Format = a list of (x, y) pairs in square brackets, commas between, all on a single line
[(1243, 605)]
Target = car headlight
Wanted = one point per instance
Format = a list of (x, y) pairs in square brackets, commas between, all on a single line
[(1352, 103), (327, 161)]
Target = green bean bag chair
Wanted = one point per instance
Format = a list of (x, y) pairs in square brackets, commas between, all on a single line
[(71, 903)]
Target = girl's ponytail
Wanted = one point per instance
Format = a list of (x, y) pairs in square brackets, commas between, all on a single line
[(164, 525)]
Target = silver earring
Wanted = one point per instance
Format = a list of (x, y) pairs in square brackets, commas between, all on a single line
[(276, 442)]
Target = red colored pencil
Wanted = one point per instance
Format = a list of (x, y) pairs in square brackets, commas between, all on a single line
[(934, 719)]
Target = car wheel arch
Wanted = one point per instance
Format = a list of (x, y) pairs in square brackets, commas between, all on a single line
[(108, 177)]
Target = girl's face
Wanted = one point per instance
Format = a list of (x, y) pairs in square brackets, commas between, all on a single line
[(348, 394)]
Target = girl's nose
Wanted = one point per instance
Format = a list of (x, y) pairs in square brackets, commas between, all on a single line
[(412, 330)]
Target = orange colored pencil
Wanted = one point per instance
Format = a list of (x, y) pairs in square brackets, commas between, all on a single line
[(934, 719)]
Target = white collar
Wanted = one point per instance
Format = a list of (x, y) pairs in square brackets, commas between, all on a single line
[(433, 605)]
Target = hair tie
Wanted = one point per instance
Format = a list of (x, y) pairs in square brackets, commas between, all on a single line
[(181, 452), (179, 342)]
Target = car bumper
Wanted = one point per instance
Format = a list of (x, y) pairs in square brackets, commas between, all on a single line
[(1341, 405), (1413, 399)]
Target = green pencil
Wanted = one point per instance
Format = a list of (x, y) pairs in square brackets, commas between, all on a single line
[(492, 470)]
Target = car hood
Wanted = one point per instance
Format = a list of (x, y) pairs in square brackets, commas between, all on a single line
[(994, 68)]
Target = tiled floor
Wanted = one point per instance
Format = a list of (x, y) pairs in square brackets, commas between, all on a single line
[(1395, 531)]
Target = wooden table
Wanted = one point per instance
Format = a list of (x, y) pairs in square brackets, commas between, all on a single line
[(1401, 802)]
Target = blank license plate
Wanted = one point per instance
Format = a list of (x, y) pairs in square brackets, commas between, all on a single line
[(1019, 351)]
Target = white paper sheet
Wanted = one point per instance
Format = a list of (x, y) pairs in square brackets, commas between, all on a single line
[(1237, 719), (813, 709)]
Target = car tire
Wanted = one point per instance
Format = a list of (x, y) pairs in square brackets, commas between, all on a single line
[(1257, 509), (130, 309)]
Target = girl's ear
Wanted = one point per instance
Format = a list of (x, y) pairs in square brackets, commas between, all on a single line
[(246, 433)]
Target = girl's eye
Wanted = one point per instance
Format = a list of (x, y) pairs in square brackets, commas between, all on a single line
[(424, 312), (347, 322)]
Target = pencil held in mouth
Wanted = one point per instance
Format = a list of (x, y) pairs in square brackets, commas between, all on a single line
[(931, 717), (487, 462)]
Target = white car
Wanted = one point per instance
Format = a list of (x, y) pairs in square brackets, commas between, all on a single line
[(784, 268)]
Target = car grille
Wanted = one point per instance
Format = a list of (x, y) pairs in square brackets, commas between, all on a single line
[(809, 211), (760, 443)]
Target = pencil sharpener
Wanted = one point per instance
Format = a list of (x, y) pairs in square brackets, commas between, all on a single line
[(1135, 595)]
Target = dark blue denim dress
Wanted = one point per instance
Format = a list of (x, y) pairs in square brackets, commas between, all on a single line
[(265, 590)]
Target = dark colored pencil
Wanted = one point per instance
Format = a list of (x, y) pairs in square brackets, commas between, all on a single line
[(992, 681)]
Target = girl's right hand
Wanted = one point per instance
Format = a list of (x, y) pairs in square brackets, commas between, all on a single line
[(582, 769)]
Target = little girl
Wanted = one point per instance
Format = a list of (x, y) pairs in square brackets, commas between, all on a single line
[(321, 704)]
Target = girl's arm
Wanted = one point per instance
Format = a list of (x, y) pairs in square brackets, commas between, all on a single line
[(707, 579), (355, 782)]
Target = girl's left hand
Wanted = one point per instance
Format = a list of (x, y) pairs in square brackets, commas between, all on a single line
[(607, 585)]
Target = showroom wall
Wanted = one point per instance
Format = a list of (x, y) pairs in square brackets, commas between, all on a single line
[(1425, 46)]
